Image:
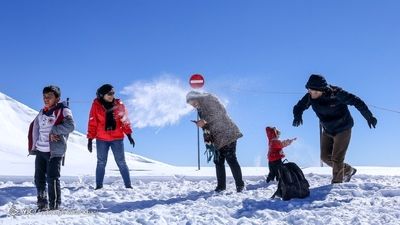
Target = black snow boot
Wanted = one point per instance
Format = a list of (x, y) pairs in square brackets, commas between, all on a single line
[(42, 203), (239, 188), (54, 206), (219, 189)]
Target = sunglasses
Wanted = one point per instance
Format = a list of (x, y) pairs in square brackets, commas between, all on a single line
[(111, 93)]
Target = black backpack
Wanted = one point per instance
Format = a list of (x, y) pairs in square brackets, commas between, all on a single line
[(291, 182)]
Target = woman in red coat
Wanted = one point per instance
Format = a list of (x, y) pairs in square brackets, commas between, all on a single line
[(108, 122)]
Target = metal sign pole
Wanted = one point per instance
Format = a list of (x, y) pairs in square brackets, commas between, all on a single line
[(197, 81), (63, 159), (198, 145), (320, 143)]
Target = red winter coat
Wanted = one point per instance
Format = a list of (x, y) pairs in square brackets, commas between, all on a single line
[(97, 122), (275, 146)]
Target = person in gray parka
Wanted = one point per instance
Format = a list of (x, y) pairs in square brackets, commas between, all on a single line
[(48, 135), (221, 132)]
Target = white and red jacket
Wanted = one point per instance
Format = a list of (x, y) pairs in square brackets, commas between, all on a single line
[(58, 121), (97, 122), (275, 146)]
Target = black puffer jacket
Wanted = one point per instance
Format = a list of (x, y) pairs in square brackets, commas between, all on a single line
[(331, 109)]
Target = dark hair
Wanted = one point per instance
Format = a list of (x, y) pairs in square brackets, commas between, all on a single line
[(52, 88), (103, 90)]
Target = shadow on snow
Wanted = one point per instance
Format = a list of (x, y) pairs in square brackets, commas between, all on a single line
[(138, 205), (9, 194), (317, 199)]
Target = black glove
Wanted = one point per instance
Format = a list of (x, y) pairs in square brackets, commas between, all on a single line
[(89, 145), (297, 121), (207, 137), (372, 121), (131, 141)]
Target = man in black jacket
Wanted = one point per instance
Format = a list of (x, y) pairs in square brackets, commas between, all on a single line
[(330, 104)]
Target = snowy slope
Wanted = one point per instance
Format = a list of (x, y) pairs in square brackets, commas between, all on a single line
[(367, 199), (15, 118)]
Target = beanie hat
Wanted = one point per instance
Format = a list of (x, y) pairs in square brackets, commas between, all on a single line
[(192, 95), (316, 82), (52, 88), (271, 134), (103, 90)]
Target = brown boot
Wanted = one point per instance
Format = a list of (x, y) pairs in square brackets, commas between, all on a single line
[(348, 175)]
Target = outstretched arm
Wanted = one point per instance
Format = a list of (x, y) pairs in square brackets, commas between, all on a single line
[(350, 99), (288, 142), (299, 108)]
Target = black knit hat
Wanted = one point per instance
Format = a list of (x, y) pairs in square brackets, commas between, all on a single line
[(104, 89), (52, 88), (316, 82)]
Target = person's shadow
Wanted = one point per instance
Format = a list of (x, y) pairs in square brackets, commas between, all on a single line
[(138, 205), (259, 184), (318, 194), (9, 194)]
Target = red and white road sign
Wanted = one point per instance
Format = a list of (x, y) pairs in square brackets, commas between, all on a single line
[(196, 81)]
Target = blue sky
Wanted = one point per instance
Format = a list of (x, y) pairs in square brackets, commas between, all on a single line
[(255, 55)]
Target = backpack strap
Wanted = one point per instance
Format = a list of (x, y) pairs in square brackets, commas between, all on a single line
[(211, 152), (276, 192), (59, 115)]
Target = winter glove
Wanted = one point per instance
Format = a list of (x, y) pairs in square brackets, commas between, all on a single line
[(90, 145), (372, 121), (207, 137), (201, 123), (131, 141), (297, 121)]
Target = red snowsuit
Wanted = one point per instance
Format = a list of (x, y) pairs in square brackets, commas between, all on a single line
[(275, 146)]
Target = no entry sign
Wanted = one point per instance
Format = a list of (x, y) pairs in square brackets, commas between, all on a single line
[(196, 81)]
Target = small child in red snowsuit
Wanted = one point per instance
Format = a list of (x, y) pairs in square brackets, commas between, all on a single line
[(275, 152)]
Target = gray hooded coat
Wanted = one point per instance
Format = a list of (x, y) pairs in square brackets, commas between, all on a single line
[(221, 127), (63, 124)]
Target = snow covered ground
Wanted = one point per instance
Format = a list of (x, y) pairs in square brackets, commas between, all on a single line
[(180, 199)]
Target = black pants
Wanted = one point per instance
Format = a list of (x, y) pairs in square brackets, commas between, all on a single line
[(48, 170), (273, 169), (228, 153)]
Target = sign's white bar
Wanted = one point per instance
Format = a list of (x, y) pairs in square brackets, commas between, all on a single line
[(197, 81)]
